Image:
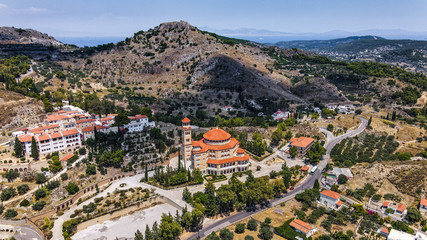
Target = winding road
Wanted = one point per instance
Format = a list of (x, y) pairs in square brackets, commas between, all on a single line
[(308, 183)]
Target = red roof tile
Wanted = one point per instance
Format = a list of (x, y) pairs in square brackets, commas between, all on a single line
[(85, 120), (301, 142), (401, 207), (330, 194), (228, 160), (216, 134), (185, 120), (301, 225), (70, 132), (385, 230), (44, 128), (25, 138), (339, 203), (43, 137), (423, 202), (304, 168), (66, 158), (385, 204), (51, 118)]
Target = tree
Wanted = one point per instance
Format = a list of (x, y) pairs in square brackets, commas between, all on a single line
[(72, 188), (240, 228), (11, 175), (276, 137), (7, 193), (146, 173), (316, 152), (286, 175), (18, 148), (10, 213), (186, 195), (91, 169), (393, 116), (330, 127), (293, 151), (138, 235), (121, 119), (22, 189), (169, 229), (252, 225), (34, 150), (316, 184), (38, 206), (40, 193), (358, 111), (413, 215), (288, 135), (342, 179), (54, 164), (148, 234), (212, 236), (404, 156), (64, 176), (226, 234), (247, 237), (47, 105), (265, 233), (40, 178), (370, 121)]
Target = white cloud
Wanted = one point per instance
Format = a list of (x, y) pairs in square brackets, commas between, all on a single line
[(2, 5), (35, 10)]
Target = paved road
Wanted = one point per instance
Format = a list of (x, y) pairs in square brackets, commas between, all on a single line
[(27, 232), (307, 183)]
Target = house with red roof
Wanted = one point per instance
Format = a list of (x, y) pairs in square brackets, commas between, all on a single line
[(383, 231), (330, 199), (216, 153), (423, 206), (302, 227), (398, 208), (303, 144)]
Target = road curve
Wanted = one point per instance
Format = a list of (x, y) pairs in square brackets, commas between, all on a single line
[(307, 183)]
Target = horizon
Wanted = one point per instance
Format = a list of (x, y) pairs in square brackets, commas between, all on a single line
[(108, 19)]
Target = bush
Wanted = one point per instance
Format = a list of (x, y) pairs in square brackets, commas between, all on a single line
[(40, 178), (8, 193), (287, 231), (24, 203), (265, 233), (404, 156), (72, 188), (52, 185), (240, 228), (247, 237), (89, 208), (252, 225), (64, 176), (37, 206), (342, 179), (40, 193), (10, 213), (22, 189), (226, 234)]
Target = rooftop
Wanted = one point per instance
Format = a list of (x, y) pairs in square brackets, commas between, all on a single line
[(330, 194), (301, 225), (66, 158), (186, 120), (216, 134), (301, 142), (423, 202)]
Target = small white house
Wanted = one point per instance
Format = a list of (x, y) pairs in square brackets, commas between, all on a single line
[(330, 199), (302, 227)]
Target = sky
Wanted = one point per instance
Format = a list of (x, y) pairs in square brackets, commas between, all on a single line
[(107, 18)]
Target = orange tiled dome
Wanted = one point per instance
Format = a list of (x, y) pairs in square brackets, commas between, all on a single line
[(185, 120), (240, 150), (216, 135)]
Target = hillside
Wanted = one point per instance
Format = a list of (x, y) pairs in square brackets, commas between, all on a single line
[(177, 70), (409, 54)]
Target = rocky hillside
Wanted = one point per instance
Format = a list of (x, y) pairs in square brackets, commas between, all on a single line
[(11, 35), (17, 110)]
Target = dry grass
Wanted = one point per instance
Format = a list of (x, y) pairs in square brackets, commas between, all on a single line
[(341, 121)]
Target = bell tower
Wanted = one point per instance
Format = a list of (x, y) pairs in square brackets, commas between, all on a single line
[(186, 140)]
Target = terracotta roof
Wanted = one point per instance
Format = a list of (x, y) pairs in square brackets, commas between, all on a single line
[(216, 134), (302, 142), (70, 132), (92, 128), (55, 135), (71, 112), (112, 115), (385, 230), (186, 120), (385, 204), (240, 150), (107, 119), (62, 111), (339, 203), (401, 207), (43, 128), (301, 225), (228, 160), (51, 118), (330, 194), (304, 168), (43, 137), (140, 116), (205, 147), (85, 120), (66, 158), (25, 138)]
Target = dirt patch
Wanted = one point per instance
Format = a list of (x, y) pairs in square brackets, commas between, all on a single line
[(341, 121)]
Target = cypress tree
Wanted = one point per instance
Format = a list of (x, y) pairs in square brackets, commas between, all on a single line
[(370, 120), (146, 173), (393, 117), (34, 150), (316, 184), (18, 147)]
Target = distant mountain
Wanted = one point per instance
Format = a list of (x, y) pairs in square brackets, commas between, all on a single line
[(317, 45), (11, 35)]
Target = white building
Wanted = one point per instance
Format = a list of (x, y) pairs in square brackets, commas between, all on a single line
[(67, 141), (399, 235), (279, 114), (138, 123), (423, 206), (330, 199), (89, 132)]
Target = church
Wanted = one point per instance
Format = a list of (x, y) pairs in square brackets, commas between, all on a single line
[(216, 153)]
